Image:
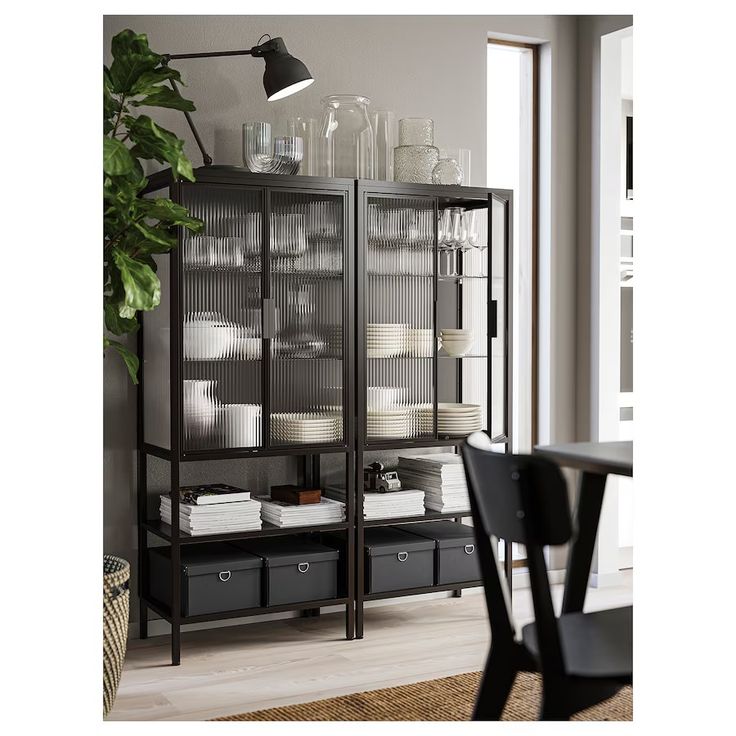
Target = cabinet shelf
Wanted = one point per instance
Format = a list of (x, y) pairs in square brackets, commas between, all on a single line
[(426, 516), (165, 611), (163, 531)]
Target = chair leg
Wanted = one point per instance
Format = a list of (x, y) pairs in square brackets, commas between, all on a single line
[(495, 686), (555, 705)]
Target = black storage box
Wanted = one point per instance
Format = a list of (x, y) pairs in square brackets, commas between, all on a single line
[(296, 570), (215, 578), (397, 560), (456, 557)]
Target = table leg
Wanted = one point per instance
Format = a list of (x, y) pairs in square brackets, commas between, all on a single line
[(590, 500)]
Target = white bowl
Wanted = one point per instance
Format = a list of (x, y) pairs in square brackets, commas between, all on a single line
[(457, 348)]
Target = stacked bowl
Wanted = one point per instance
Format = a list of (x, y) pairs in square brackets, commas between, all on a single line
[(457, 342)]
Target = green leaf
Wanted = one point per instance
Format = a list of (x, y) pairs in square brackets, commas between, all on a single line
[(131, 359), (170, 212), (131, 58), (156, 234), (148, 81), (141, 285), (115, 323), (165, 97), (116, 158), (154, 142)]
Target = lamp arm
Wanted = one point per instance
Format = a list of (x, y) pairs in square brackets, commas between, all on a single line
[(273, 44)]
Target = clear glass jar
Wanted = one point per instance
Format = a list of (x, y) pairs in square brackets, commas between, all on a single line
[(346, 137), (416, 156)]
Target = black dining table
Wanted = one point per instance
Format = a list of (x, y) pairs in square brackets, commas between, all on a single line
[(596, 461)]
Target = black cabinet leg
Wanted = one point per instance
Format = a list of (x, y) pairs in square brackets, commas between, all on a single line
[(349, 621), (175, 644), (142, 619), (590, 500), (359, 619), (457, 593), (495, 686)]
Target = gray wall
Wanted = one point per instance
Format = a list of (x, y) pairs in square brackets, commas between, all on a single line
[(431, 66)]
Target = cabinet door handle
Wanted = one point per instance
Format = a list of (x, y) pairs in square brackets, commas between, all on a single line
[(402, 556), (469, 549), (269, 318), (303, 566), (493, 318), (225, 575)]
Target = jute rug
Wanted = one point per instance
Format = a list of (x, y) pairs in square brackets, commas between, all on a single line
[(448, 699)]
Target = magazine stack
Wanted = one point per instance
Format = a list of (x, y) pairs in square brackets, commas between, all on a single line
[(213, 509), (441, 477)]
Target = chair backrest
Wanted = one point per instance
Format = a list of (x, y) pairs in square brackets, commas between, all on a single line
[(523, 499)]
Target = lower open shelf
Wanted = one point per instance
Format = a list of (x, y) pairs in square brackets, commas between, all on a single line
[(165, 612), (419, 591), (163, 531)]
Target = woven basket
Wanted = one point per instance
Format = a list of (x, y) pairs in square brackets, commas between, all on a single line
[(116, 606)]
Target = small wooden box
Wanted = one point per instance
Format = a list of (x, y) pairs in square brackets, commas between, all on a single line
[(295, 495)]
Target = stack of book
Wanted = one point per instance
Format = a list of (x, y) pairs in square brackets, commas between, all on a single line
[(441, 477), (213, 509), (281, 514), (389, 505)]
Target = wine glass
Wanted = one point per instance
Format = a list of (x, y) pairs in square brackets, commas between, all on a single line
[(474, 235)]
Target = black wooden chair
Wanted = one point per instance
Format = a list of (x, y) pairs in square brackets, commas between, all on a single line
[(584, 658)]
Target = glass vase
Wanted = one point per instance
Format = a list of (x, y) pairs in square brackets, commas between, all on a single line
[(462, 156), (447, 172), (384, 140), (416, 156), (346, 137)]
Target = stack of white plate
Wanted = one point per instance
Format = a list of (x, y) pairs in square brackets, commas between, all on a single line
[(420, 343), (385, 340), (457, 342), (424, 423), (458, 419), (389, 423), (305, 428)]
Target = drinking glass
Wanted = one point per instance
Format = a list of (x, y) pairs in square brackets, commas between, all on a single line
[(307, 130), (257, 146)]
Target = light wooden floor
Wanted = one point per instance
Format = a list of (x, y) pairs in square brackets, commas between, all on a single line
[(238, 669)]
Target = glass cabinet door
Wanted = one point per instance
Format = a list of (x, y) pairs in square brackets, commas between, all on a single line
[(463, 318), (304, 312), (399, 333), (221, 339)]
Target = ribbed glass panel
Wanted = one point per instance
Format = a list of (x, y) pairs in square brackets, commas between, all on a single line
[(156, 363), (307, 294), (400, 335), (222, 336)]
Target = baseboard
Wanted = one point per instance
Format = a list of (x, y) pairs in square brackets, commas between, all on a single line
[(159, 627)]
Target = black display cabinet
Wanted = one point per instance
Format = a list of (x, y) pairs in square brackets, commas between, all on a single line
[(345, 302), (249, 354), (433, 309)]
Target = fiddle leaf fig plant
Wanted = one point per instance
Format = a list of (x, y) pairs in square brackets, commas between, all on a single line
[(136, 228)]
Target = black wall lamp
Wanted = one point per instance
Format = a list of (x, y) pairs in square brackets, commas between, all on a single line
[(284, 75)]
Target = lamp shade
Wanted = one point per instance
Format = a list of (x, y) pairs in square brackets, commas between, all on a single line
[(284, 74)]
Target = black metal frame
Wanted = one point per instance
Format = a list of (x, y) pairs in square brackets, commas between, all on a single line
[(177, 454), (354, 443), (470, 197)]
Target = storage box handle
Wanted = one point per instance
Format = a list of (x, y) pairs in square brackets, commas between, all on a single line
[(469, 549), (303, 566), (402, 556), (225, 575)]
